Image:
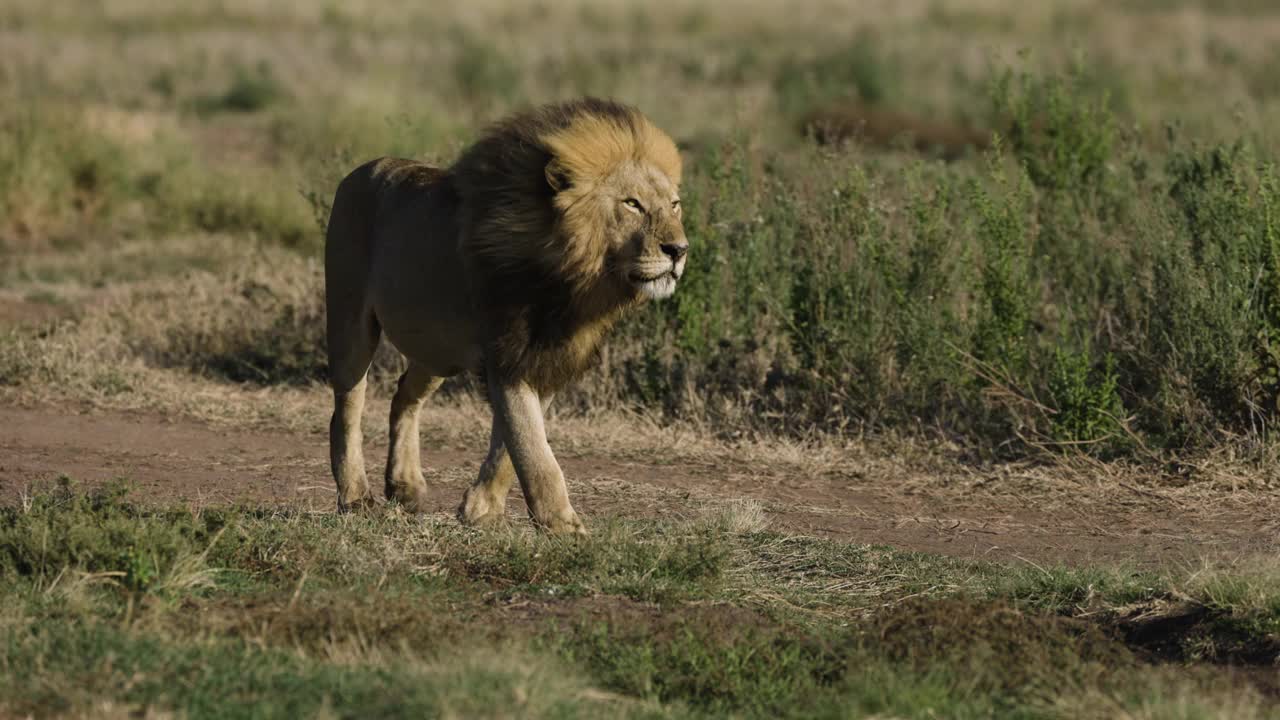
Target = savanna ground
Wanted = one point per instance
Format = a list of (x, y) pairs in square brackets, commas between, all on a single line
[(963, 410)]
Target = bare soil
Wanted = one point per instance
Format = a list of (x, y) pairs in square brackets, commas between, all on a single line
[(184, 461)]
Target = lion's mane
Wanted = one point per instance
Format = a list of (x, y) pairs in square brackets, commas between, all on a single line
[(532, 231)]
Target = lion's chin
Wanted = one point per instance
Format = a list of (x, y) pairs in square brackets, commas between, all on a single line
[(658, 288)]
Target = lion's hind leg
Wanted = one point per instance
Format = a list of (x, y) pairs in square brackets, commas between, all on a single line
[(351, 348), (353, 333), (346, 439), (405, 483)]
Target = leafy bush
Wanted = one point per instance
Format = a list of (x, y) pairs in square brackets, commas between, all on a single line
[(57, 176), (1085, 401), (861, 72), (1002, 235), (1066, 273), (1062, 132), (250, 90), (482, 70)]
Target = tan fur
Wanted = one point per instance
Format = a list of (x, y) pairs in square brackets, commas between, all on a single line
[(515, 262)]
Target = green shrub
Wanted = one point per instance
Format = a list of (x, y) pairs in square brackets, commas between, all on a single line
[(57, 176), (831, 288), (250, 90), (65, 182), (1002, 236), (1063, 134), (861, 72), (1207, 354), (1087, 411), (482, 72), (224, 202)]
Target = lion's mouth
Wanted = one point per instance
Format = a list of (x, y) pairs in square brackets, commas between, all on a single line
[(639, 279), (656, 287), (673, 272)]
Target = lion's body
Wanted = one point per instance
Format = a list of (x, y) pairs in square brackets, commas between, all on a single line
[(514, 261)]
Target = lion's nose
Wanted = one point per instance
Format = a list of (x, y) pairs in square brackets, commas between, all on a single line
[(675, 251)]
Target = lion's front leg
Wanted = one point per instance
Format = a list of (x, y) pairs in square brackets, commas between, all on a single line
[(486, 500), (517, 410)]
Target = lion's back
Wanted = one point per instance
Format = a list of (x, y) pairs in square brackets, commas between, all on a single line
[(388, 183), (382, 199)]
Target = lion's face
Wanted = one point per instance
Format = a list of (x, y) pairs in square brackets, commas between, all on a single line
[(640, 210)]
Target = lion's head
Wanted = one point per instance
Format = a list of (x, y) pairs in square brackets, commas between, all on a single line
[(616, 183), (569, 215), (584, 193)]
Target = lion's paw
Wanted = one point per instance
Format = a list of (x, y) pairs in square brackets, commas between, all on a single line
[(562, 524), (478, 509), (412, 498), (362, 505)]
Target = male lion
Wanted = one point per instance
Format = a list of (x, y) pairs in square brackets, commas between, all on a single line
[(514, 262)]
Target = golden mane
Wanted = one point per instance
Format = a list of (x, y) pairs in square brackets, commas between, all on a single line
[(593, 145)]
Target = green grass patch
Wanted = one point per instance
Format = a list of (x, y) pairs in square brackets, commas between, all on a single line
[(228, 612), (100, 667)]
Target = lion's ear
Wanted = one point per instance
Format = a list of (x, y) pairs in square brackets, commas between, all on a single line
[(557, 176)]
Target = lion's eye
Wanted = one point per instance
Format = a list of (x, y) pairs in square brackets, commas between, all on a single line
[(634, 204)]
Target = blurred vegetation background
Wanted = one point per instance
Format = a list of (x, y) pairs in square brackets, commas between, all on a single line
[(1021, 227)]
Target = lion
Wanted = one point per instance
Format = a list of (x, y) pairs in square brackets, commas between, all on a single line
[(514, 262)]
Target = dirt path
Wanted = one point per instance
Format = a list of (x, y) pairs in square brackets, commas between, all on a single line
[(184, 461)]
